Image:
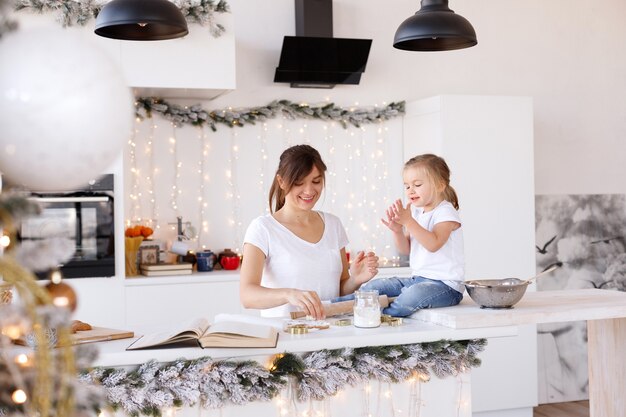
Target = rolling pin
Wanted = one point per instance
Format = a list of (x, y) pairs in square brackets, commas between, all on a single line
[(342, 307)]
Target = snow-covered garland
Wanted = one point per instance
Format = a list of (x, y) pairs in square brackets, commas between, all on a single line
[(152, 387), (6, 24), (196, 115), (74, 12)]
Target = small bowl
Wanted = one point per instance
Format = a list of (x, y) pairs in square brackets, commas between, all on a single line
[(496, 293)]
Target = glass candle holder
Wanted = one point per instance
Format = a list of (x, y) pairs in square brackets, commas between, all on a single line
[(366, 309)]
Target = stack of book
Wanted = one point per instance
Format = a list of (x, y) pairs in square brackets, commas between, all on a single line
[(160, 269)]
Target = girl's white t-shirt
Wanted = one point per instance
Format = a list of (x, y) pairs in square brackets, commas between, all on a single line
[(448, 263), (291, 262)]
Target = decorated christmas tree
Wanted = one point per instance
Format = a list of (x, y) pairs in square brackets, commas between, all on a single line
[(41, 380)]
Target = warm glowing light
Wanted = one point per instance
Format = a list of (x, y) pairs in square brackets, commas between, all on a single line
[(61, 301), (5, 241), (12, 331), (56, 276), (22, 359), (19, 396), (169, 412)]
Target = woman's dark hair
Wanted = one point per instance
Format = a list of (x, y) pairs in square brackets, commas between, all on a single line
[(295, 163)]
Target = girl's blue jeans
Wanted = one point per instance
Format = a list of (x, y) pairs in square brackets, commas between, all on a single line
[(412, 294)]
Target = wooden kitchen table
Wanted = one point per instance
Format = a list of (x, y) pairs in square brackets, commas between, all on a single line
[(605, 313)]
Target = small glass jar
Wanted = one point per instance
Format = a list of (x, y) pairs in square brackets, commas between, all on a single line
[(366, 309)]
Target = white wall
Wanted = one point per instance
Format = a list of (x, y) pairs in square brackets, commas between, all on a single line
[(222, 179), (568, 55)]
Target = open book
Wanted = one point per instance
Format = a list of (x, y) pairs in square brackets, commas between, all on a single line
[(223, 334)]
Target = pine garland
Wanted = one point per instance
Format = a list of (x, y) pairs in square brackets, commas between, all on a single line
[(198, 116), (72, 12), (6, 24), (152, 387)]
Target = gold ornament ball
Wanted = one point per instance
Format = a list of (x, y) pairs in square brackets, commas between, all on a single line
[(62, 295)]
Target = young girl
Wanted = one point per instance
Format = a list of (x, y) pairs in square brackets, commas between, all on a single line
[(295, 256), (429, 230)]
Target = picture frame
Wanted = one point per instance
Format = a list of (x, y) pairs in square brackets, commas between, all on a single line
[(148, 254)]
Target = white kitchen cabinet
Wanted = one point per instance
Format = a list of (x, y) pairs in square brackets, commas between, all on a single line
[(168, 301), (195, 66), (487, 142)]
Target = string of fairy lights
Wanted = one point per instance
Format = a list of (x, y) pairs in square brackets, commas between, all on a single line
[(204, 179), (184, 177), (376, 398), (233, 192), (150, 176), (175, 190), (264, 177)]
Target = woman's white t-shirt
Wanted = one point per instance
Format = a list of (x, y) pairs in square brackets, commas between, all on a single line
[(291, 262), (448, 263)]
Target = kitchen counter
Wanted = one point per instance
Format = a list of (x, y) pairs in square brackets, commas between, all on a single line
[(605, 312), (193, 278), (226, 276), (412, 331), (449, 396)]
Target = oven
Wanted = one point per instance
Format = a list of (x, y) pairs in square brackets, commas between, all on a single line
[(85, 216)]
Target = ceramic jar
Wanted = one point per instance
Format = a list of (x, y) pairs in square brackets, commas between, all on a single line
[(205, 260), (228, 259)]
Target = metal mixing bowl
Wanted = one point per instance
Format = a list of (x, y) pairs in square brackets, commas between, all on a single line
[(496, 293)]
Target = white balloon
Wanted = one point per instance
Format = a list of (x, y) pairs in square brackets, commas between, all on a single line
[(65, 109)]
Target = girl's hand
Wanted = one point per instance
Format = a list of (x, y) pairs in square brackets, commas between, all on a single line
[(364, 267), (390, 223), (308, 301), (400, 214)]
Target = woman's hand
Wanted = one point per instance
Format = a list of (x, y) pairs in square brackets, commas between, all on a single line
[(364, 267), (308, 301), (390, 223)]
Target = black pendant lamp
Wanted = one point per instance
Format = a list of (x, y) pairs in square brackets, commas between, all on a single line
[(435, 28), (141, 20)]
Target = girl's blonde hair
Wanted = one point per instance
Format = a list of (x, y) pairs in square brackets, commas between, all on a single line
[(437, 172), (295, 163)]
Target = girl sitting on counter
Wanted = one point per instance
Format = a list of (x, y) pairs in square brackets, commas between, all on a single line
[(429, 230), (295, 256)]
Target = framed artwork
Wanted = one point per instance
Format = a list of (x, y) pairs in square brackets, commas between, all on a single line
[(148, 254), (585, 234)]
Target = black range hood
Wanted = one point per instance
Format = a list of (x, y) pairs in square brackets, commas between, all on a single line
[(313, 58)]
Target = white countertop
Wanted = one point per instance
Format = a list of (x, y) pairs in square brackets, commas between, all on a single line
[(113, 353), (534, 308), (194, 278), (224, 276)]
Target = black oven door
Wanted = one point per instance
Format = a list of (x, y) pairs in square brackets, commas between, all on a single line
[(86, 218)]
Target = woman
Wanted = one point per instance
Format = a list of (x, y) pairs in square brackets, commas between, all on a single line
[(295, 256)]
